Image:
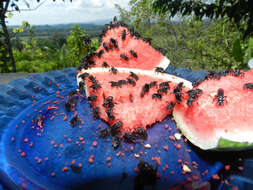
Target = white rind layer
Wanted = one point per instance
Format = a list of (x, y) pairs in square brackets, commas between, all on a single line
[(164, 63), (164, 76)]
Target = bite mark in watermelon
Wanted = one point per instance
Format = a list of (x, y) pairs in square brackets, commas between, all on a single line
[(121, 47), (210, 125), (135, 105)]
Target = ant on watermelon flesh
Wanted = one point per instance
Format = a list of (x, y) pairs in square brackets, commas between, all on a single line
[(115, 43), (162, 90), (145, 89), (131, 81), (248, 86), (109, 102), (83, 76), (133, 53), (197, 82), (96, 113), (122, 82), (177, 92), (157, 96), (92, 98), (237, 72), (152, 84), (159, 70), (193, 94), (105, 65), (95, 86), (113, 83), (132, 74), (109, 114), (114, 70), (124, 57), (220, 97), (92, 79), (170, 106), (148, 40), (165, 84), (105, 46), (116, 126), (100, 53), (124, 34)]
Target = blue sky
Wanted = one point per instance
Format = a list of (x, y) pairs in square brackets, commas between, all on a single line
[(59, 12)]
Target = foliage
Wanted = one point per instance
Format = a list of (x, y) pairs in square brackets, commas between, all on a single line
[(191, 42), (237, 11), (52, 54), (3, 56)]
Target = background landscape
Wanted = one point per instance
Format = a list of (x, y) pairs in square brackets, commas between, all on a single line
[(188, 41)]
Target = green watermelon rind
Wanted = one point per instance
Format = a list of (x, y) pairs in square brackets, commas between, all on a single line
[(233, 145)]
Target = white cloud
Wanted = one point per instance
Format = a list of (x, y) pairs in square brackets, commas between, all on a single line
[(65, 12)]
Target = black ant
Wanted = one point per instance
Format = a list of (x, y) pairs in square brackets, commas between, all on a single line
[(105, 65), (96, 113), (220, 97), (170, 106), (104, 133), (81, 86), (124, 34), (124, 57), (132, 74), (122, 82), (130, 137), (114, 84), (116, 125), (147, 40), (159, 70), (114, 70), (162, 90), (165, 84), (237, 72), (83, 76), (105, 46), (109, 102), (95, 86), (92, 79), (100, 53), (248, 86), (133, 53), (142, 132), (193, 94), (145, 89), (115, 43), (157, 96), (116, 142), (109, 114), (131, 81), (177, 92), (197, 82), (152, 84), (92, 98), (74, 121)]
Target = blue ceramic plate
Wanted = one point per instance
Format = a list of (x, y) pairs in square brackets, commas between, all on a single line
[(55, 155)]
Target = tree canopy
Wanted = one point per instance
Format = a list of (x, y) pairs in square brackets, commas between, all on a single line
[(238, 11)]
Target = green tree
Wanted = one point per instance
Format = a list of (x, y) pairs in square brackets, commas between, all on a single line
[(237, 11), (8, 6)]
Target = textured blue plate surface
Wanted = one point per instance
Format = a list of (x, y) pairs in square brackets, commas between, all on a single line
[(25, 147)]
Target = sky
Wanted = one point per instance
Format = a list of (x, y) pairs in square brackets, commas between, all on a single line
[(59, 12)]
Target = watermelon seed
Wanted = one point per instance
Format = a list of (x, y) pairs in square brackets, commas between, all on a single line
[(124, 57), (133, 53)]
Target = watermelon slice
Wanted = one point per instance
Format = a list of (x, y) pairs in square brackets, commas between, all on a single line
[(130, 99), (122, 47), (218, 113)]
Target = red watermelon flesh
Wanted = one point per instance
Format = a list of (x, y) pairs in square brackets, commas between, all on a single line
[(210, 125), (130, 107), (122, 48)]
